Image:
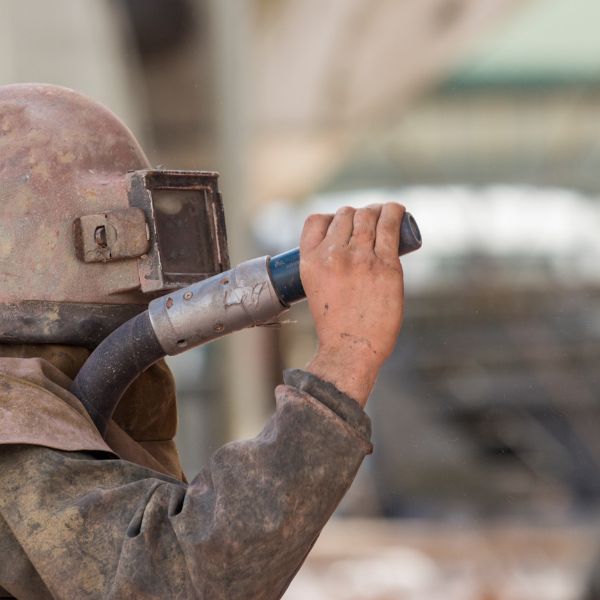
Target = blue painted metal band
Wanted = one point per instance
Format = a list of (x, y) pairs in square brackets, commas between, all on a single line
[(285, 275)]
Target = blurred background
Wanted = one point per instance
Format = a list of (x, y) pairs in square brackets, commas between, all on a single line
[(483, 118)]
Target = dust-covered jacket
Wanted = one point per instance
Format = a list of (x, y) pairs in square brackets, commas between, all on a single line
[(85, 517)]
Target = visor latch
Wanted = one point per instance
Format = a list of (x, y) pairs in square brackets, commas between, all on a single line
[(109, 236)]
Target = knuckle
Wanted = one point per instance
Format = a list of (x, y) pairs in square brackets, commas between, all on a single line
[(367, 211), (338, 257), (364, 223), (396, 209), (361, 216), (345, 210), (314, 219), (337, 253), (396, 205)]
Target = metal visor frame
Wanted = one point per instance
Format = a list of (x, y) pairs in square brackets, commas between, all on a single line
[(186, 227)]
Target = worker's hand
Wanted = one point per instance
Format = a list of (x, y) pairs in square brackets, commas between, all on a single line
[(352, 276)]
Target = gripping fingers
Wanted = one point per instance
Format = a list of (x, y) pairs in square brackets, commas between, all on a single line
[(365, 225), (340, 230), (315, 229), (388, 232)]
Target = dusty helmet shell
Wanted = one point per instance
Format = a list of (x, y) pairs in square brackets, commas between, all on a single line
[(62, 156)]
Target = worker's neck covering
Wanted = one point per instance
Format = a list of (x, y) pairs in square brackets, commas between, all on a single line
[(144, 423)]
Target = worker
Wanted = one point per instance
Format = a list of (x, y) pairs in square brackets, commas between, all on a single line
[(84, 515)]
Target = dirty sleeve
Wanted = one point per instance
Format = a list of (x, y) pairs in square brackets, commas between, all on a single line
[(84, 527)]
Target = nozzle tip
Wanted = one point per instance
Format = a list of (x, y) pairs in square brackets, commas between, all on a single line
[(410, 236)]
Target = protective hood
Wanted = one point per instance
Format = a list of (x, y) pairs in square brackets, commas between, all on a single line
[(39, 410)]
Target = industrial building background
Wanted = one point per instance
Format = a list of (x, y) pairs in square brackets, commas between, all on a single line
[(483, 117)]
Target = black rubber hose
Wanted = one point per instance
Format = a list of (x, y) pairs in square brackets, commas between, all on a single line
[(113, 366)]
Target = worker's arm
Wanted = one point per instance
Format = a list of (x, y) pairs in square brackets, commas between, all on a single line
[(88, 528)]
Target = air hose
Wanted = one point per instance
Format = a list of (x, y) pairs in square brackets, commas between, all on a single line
[(254, 293)]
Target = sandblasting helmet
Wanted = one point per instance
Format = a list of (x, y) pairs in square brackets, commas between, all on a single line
[(89, 233)]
